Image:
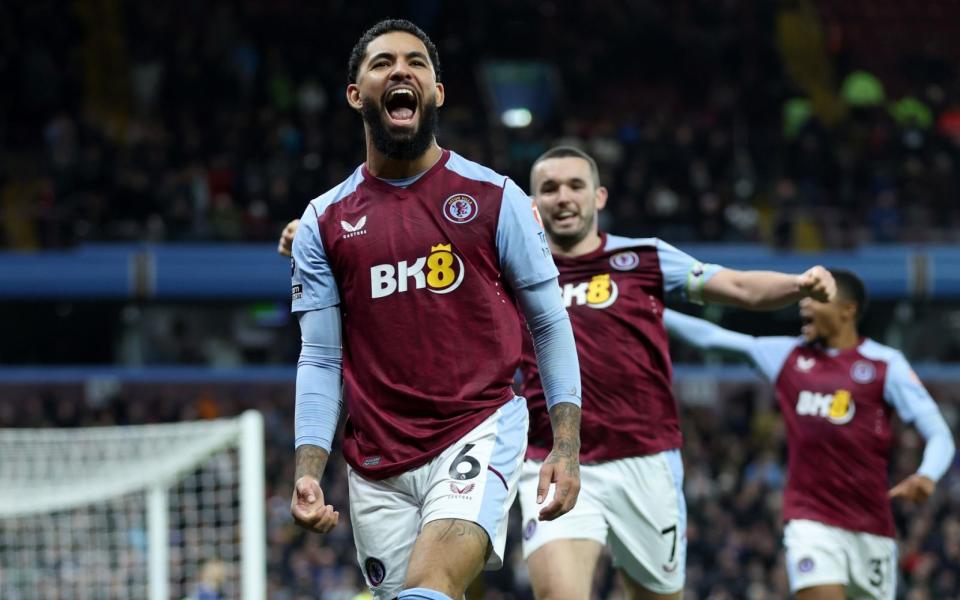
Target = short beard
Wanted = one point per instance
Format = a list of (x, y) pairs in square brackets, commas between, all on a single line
[(569, 240), (401, 147)]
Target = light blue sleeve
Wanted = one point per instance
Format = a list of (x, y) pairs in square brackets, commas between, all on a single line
[(683, 275), (314, 286), (521, 242), (903, 390), (766, 353), (553, 341), (319, 378)]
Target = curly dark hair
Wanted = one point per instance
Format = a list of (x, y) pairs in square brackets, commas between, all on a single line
[(850, 287), (387, 26)]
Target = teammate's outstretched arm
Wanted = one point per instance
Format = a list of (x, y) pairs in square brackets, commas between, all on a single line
[(704, 335), (767, 290), (285, 245), (766, 353), (914, 404)]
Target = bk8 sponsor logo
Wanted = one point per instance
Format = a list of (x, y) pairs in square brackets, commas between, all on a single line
[(440, 272), (600, 292), (838, 408)]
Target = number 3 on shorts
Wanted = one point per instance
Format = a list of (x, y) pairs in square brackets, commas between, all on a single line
[(879, 570), (464, 466)]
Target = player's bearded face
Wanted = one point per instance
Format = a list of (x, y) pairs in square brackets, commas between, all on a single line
[(397, 94), (400, 143)]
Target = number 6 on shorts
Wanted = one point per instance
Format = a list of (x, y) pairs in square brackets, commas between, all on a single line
[(463, 458)]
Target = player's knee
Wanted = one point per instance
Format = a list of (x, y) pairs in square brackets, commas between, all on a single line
[(561, 570)]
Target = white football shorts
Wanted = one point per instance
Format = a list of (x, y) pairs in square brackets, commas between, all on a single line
[(474, 480), (635, 505), (821, 554)]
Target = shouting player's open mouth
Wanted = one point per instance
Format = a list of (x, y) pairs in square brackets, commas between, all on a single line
[(400, 104)]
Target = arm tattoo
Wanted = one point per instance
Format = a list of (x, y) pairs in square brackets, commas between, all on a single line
[(565, 419), (311, 460)]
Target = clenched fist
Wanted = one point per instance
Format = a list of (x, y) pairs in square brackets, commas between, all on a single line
[(308, 508), (818, 283)]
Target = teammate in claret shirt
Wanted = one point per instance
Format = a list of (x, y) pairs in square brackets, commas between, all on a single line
[(614, 289), (837, 392), (415, 266)]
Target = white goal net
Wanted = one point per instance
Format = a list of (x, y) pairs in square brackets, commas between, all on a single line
[(153, 512)]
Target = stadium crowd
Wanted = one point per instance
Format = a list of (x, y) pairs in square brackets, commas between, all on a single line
[(734, 461), (218, 121)]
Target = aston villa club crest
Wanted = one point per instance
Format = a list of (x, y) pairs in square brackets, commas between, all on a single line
[(863, 372), (460, 209), (625, 261)]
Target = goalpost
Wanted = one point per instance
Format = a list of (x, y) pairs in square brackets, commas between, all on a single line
[(153, 511)]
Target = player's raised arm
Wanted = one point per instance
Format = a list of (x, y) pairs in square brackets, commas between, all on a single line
[(529, 270), (768, 290), (913, 403), (699, 282), (319, 377), (766, 353)]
